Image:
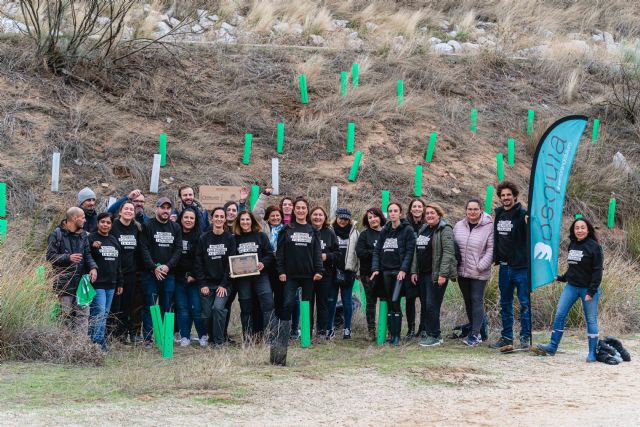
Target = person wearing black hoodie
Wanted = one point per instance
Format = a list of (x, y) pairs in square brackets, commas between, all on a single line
[(583, 277), (330, 255), (160, 250), (392, 259), (415, 216), (188, 306), (106, 251), (510, 252), (212, 273), (298, 259), (254, 290), (373, 220), (127, 231)]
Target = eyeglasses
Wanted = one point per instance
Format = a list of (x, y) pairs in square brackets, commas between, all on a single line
[(138, 201)]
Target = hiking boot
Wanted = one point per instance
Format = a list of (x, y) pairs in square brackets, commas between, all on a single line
[(502, 342), (525, 343), (346, 334), (204, 340), (185, 342), (430, 341), (472, 340)]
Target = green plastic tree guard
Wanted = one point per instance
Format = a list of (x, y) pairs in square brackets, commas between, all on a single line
[(500, 166), (280, 138), (511, 152), (400, 92), (351, 137), (304, 94), (611, 214), (343, 83), (382, 322), (156, 321), (355, 75), (474, 117), (167, 339), (530, 117), (596, 128), (386, 195), (431, 147), (3, 200), (488, 200), (417, 182), (163, 149), (305, 324), (353, 174), (246, 157)]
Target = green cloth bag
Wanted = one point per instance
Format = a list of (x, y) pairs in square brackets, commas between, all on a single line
[(85, 292)]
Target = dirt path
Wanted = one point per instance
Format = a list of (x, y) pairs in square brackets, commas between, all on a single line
[(478, 389)]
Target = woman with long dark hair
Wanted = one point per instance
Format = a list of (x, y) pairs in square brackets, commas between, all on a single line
[(583, 277), (415, 216), (373, 220), (392, 260), (298, 258), (254, 290), (322, 288), (189, 310), (474, 236)]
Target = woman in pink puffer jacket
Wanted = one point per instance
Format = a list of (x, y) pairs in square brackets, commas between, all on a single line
[(474, 237)]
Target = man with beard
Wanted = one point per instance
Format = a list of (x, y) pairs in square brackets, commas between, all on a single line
[(87, 202), (160, 249), (187, 200), (137, 198)]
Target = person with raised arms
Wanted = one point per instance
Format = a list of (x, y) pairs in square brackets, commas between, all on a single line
[(254, 290), (584, 276), (188, 200), (392, 258), (434, 264), (373, 220), (137, 198), (474, 237), (107, 253), (160, 249), (212, 273), (298, 258)]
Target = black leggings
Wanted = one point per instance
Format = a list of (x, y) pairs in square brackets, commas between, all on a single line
[(412, 294), (389, 278), (289, 294), (473, 294), (371, 294)]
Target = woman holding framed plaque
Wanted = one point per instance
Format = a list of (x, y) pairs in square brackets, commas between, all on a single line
[(249, 269)]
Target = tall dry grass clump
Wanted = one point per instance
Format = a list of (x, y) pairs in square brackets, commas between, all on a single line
[(29, 328)]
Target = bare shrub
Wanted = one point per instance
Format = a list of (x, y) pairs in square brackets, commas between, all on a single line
[(625, 87)]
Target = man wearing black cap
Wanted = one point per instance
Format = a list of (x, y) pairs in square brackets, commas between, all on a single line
[(160, 249)]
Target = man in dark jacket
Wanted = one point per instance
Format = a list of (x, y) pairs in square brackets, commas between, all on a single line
[(137, 198), (160, 250), (87, 202), (510, 252), (69, 253), (187, 200)]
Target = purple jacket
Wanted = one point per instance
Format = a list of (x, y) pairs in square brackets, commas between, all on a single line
[(476, 248)]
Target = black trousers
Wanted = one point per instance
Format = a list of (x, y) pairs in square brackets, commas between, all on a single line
[(412, 294), (432, 296), (289, 294), (473, 295), (389, 279), (320, 300), (371, 293), (122, 306)]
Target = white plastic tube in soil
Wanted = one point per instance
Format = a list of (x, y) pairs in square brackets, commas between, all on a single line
[(55, 172), (275, 176), (155, 174)]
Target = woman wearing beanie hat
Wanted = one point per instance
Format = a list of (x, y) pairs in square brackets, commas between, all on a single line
[(346, 269)]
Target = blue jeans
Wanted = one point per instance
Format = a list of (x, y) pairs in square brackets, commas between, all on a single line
[(512, 280), (570, 294), (98, 313), (188, 308), (154, 290), (346, 289)]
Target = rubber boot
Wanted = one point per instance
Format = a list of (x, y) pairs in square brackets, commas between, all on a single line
[(593, 345), (551, 348), (396, 321), (389, 327), (280, 344)]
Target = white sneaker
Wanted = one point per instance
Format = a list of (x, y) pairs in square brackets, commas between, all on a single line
[(185, 342), (204, 341)]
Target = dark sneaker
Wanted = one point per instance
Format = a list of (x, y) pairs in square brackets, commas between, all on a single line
[(295, 335), (148, 345), (330, 334), (525, 343), (472, 340), (430, 341), (410, 334), (346, 335), (502, 342), (423, 334)]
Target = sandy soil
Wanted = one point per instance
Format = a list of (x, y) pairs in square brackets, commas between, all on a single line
[(505, 390)]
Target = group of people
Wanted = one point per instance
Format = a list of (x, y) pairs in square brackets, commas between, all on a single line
[(179, 258)]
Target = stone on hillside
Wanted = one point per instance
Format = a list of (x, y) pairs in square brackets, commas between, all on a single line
[(355, 43), (146, 8), (225, 37), (201, 13), (281, 27), (340, 23), (10, 26), (444, 25), (620, 162), (608, 38), (174, 22), (435, 40), (443, 48), (452, 34), (11, 9), (424, 29), (316, 40), (470, 47), (103, 20), (205, 23), (353, 35), (398, 41), (228, 28), (213, 18), (371, 26), (297, 29), (196, 28), (597, 38), (457, 47), (162, 28)]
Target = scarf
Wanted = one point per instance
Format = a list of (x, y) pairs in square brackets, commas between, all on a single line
[(273, 236)]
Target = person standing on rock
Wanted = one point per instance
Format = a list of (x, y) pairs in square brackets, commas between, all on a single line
[(187, 200), (347, 265), (160, 249), (212, 273), (415, 216), (583, 277), (69, 253), (330, 253), (373, 220), (510, 252), (474, 237), (107, 253), (434, 264), (87, 202), (392, 258), (298, 258)]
